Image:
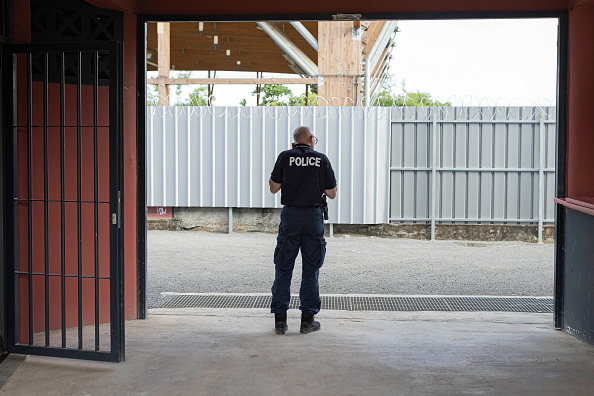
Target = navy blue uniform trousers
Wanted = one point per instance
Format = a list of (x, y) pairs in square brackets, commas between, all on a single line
[(299, 228)]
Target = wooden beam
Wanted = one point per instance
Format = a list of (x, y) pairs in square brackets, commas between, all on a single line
[(339, 62), (163, 33), (370, 35), (381, 61), (208, 81)]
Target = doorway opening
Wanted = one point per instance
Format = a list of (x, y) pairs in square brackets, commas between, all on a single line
[(484, 174)]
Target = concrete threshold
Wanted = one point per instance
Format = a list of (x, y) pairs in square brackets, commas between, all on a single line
[(209, 351)]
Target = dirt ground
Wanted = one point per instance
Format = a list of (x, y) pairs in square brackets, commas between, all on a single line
[(203, 262)]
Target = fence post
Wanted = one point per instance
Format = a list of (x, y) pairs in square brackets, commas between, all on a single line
[(541, 164), (435, 114), (230, 220)]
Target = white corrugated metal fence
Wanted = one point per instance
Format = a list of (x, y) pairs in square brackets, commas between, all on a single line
[(223, 156)]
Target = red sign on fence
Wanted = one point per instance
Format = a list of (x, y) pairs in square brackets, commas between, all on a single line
[(159, 212)]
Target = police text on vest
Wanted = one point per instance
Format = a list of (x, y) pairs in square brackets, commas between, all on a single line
[(305, 161)]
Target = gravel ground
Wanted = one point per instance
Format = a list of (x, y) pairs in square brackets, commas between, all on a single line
[(203, 262)]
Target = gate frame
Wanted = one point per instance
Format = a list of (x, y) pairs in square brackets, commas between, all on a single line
[(117, 333), (561, 136)]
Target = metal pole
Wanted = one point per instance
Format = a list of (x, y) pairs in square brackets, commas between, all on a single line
[(230, 220), (294, 52), (541, 164), (164, 153), (214, 157), (225, 155), (176, 148), (331, 230), (433, 171), (367, 82), (189, 156), (306, 34)]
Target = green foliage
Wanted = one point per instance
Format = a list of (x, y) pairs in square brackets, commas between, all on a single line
[(198, 97), (279, 95), (274, 95), (243, 102), (152, 95), (312, 100), (388, 98)]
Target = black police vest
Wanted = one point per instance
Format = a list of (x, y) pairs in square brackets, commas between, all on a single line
[(304, 174)]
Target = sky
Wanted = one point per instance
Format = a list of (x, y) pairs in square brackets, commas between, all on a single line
[(505, 60), (466, 62)]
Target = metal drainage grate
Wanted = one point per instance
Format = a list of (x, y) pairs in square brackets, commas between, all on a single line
[(369, 303)]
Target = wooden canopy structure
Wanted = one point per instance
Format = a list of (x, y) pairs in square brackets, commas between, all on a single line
[(191, 49), (334, 55)]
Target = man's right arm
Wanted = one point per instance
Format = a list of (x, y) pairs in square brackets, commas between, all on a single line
[(330, 179)]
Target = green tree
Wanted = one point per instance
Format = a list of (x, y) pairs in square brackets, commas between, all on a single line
[(387, 98), (312, 100), (198, 97), (274, 95), (279, 95), (152, 95)]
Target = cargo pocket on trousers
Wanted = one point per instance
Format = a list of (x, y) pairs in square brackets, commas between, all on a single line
[(322, 251), (279, 252)]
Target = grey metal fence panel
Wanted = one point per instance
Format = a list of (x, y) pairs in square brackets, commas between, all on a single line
[(223, 156), (487, 164)]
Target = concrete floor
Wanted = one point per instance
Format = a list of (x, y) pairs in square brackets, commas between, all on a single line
[(235, 352)]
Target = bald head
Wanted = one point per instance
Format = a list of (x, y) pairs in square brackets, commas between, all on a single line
[(302, 134)]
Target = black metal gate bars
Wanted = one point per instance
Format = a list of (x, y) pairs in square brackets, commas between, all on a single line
[(65, 283)]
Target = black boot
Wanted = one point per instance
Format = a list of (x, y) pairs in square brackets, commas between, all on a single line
[(308, 324), (280, 323)]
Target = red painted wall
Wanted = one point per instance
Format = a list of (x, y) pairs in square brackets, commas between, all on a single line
[(22, 35), (130, 265), (580, 144), (38, 257)]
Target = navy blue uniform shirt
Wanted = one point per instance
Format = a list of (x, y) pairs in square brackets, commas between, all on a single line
[(304, 174)]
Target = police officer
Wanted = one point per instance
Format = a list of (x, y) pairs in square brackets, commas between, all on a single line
[(302, 175)]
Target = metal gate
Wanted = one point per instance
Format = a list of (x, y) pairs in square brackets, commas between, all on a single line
[(64, 283)]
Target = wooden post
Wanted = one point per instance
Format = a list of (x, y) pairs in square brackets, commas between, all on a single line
[(163, 36), (339, 62)]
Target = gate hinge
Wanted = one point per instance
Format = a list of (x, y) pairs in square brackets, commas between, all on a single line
[(116, 217), (119, 209)]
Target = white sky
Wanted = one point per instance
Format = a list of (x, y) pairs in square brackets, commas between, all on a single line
[(465, 62), (494, 59)]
